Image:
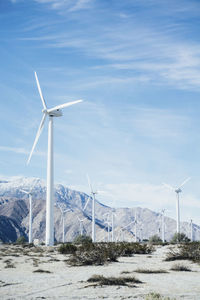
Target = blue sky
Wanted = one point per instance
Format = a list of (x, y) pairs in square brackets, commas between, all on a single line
[(136, 65)]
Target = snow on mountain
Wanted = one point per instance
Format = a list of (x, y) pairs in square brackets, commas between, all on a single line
[(14, 205)]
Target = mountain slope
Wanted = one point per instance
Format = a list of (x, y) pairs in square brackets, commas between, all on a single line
[(14, 206)]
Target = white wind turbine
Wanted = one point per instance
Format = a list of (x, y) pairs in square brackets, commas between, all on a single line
[(191, 230), (177, 191), (163, 224), (51, 113), (63, 211), (30, 239), (126, 227), (93, 193), (81, 224), (108, 225), (135, 223)]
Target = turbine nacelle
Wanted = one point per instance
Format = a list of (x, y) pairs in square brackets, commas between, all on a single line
[(55, 113), (178, 190)]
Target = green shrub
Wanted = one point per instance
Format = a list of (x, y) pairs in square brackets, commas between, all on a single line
[(82, 239), (190, 251), (179, 238), (129, 249), (21, 240), (67, 249), (155, 239), (95, 254)]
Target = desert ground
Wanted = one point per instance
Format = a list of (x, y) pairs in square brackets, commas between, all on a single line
[(19, 281)]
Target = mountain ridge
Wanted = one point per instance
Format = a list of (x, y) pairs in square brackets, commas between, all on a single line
[(14, 205)]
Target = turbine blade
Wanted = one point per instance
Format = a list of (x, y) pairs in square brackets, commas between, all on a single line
[(128, 224), (64, 105), (168, 186), (40, 92), (184, 182), (89, 183), (37, 136), (86, 203), (24, 192)]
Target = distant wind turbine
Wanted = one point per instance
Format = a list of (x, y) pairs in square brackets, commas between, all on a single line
[(126, 227), (30, 239), (191, 230), (51, 113), (93, 193), (163, 224), (63, 211), (177, 191), (135, 223), (108, 225), (81, 224)]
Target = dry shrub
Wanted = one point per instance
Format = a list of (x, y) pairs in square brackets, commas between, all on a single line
[(41, 271), (190, 251), (179, 267), (67, 248), (128, 249), (95, 254), (156, 296), (101, 280), (148, 271)]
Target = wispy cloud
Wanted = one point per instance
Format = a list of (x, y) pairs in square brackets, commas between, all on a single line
[(69, 5), (132, 49)]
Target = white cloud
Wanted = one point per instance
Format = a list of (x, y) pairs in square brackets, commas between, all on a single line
[(69, 5)]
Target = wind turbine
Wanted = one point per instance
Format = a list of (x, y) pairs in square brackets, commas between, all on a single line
[(30, 239), (163, 224), (51, 113), (93, 193), (191, 230), (177, 191), (108, 225), (126, 227), (81, 224), (113, 227), (63, 211), (135, 223)]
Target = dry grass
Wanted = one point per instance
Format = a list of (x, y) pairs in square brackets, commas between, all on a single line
[(179, 267), (9, 264), (157, 296), (41, 271), (120, 281), (148, 271)]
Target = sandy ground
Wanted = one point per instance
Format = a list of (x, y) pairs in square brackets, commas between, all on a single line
[(17, 280)]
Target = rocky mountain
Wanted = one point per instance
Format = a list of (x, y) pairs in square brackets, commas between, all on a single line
[(14, 215)]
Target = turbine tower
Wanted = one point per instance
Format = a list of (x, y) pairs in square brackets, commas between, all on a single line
[(163, 224), (191, 230), (177, 191), (113, 215), (93, 193), (135, 223), (51, 113), (30, 239)]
